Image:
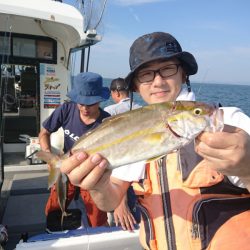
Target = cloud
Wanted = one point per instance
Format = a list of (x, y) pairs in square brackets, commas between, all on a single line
[(135, 2), (228, 65), (228, 54), (110, 56), (242, 51), (136, 17)]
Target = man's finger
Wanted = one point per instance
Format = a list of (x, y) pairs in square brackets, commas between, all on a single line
[(217, 140), (72, 162)]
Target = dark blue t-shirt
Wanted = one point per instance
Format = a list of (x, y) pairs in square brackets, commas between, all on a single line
[(67, 116)]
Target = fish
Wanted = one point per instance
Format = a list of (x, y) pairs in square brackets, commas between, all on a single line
[(146, 133)]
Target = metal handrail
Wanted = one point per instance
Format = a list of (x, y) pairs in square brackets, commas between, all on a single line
[(1, 134)]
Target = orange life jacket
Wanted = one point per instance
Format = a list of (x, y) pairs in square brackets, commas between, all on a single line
[(186, 205)]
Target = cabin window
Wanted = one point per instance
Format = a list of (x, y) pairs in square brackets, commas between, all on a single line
[(24, 47), (32, 49), (44, 49)]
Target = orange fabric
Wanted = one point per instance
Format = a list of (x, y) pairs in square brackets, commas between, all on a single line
[(95, 216), (238, 238), (183, 197), (202, 176)]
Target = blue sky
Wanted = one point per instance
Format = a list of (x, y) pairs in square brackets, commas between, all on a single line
[(216, 32)]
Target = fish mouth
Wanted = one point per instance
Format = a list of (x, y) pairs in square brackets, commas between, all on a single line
[(216, 121)]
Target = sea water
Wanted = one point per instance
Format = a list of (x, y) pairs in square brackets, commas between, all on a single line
[(228, 95)]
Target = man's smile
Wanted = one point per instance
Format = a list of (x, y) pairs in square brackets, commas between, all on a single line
[(160, 93)]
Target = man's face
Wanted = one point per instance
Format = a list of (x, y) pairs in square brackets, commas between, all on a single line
[(160, 88), (88, 110)]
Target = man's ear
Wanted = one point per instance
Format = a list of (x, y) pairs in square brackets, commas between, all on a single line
[(135, 88), (118, 93)]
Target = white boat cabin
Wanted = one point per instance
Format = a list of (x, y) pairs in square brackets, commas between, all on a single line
[(36, 41)]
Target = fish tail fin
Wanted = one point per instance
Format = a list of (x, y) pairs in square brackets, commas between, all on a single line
[(54, 164), (62, 217), (64, 214), (48, 157)]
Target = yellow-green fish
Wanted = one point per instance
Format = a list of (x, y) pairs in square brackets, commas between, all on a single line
[(145, 133)]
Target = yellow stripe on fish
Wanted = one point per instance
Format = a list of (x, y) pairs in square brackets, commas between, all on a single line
[(139, 133)]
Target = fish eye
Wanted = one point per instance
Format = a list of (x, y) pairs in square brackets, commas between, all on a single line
[(197, 111)]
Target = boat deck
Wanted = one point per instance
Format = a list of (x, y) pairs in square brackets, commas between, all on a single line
[(23, 198)]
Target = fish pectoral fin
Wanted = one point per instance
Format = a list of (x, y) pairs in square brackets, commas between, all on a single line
[(154, 137), (49, 158), (54, 164)]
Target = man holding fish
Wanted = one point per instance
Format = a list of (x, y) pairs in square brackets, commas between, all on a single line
[(77, 116), (194, 186)]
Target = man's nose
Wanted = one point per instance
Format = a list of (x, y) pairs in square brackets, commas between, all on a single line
[(158, 80)]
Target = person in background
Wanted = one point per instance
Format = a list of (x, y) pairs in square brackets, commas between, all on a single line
[(119, 90), (81, 114), (195, 198), (127, 213)]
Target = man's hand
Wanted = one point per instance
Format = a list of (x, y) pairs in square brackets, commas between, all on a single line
[(91, 173), (87, 172), (227, 152)]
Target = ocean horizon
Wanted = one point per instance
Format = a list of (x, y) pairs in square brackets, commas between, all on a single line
[(228, 95)]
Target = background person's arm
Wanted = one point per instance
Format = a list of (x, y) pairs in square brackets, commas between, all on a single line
[(123, 215), (44, 140)]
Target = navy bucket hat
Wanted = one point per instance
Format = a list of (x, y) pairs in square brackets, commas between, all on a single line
[(158, 46), (88, 89)]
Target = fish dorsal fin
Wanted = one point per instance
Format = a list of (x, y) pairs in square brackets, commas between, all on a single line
[(105, 123), (112, 119)]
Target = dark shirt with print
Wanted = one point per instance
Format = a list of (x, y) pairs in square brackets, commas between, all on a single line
[(67, 116)]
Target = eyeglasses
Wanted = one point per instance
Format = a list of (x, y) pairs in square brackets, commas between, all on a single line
[(147, 76)]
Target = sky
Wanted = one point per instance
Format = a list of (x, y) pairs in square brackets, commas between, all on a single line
[(216, 32)]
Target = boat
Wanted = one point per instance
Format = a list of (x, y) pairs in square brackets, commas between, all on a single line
[(41, 42)]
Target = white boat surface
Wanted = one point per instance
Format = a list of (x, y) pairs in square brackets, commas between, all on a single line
[(92, 238)]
